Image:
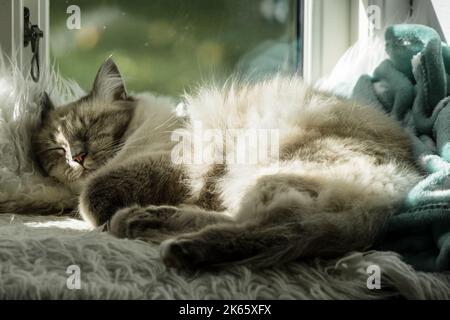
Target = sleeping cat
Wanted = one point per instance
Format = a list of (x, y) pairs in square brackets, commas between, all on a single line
[(340, 170)]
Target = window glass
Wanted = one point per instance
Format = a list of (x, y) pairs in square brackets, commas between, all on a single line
[(169, 45)]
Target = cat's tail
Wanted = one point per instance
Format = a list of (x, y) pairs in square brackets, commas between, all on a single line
[(263, 246)]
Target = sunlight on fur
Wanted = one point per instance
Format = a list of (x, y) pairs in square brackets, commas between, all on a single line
[(62, 224)]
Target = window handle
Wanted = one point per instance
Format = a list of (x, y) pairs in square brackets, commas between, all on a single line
[(32, 34)]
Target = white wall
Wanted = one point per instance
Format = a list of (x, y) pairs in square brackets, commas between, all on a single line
[(434, 13), (327, 35)]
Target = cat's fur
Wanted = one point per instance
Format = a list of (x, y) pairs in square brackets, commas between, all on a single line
[(342, 170)]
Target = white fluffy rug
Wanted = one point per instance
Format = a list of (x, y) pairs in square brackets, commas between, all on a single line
[(35, 251)]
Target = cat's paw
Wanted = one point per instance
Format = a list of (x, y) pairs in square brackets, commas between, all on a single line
[(181, 253), (150, 223)]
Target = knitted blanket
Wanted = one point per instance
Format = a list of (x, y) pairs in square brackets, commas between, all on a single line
[(413, 86)]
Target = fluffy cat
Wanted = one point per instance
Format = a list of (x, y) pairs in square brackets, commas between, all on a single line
[(341, 170)]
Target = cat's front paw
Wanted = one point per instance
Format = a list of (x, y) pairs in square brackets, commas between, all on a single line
[(149, 224), (99, 199), (181, 254)]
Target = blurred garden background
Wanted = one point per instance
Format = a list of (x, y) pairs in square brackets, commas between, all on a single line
[(168, 46)]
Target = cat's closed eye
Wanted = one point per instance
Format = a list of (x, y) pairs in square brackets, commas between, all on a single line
[(61, 151)]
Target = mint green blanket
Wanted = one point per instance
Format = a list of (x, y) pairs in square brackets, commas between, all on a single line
[(413, 86)]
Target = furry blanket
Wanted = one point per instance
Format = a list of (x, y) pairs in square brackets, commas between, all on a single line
[(36, 251)]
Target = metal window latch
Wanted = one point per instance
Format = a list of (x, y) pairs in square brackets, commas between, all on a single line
[(32, 34)]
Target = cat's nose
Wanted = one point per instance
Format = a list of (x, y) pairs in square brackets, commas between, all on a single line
[(79, 157)]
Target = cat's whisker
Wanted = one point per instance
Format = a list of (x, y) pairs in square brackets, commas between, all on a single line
[(153, 132), (163, 123), (111, 146)]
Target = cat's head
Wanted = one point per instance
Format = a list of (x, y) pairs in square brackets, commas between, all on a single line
[(74, 140)]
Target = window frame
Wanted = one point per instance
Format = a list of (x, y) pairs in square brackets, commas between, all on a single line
[(12, 35), (316, 23), (323, 17)]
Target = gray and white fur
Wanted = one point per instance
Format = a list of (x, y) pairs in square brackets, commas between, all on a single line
[(342, 170)]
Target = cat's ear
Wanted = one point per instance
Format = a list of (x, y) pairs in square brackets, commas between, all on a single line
[(46, 106), (108, 83)]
